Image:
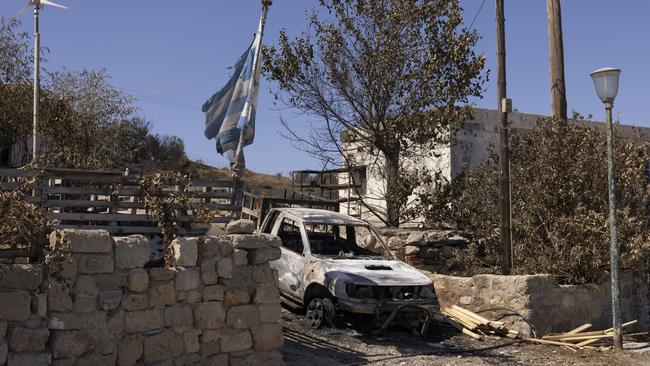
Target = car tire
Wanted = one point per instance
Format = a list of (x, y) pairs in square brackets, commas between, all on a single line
[(320, 312)]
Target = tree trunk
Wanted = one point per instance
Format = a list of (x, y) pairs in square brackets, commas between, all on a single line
[(392, 189)]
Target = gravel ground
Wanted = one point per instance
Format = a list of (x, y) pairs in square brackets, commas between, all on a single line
[(343, 345)]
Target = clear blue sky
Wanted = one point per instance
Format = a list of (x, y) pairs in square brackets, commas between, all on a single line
[(174, 55)]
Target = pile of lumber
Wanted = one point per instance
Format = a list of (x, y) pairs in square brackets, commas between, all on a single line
[(474, 325), (581, 338)]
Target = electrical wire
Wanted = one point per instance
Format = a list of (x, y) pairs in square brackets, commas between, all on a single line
[(476, 15)]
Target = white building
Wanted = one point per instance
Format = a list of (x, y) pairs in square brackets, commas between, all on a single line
[(468, 147)]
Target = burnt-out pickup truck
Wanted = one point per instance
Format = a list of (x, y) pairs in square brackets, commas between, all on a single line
[(337, 263)]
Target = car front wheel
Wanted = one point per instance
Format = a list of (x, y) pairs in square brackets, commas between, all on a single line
[(320, 312)]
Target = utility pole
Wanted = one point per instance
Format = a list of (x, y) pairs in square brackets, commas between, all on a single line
[(504, 147), (37, 80), (556, 58)]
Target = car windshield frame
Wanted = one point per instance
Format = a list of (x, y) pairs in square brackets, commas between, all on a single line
[(349, 255)]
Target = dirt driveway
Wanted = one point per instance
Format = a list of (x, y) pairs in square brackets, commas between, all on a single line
[(343, 345)]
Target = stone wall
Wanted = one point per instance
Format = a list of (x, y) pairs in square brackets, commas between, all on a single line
[(545, 305), (95, 303), (424, 248)]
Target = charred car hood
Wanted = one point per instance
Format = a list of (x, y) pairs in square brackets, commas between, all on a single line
[(372, 272)]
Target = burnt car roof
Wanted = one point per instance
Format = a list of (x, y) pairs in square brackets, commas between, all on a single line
[(316, 216)]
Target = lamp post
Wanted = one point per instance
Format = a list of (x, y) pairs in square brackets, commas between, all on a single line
[(606, 85)]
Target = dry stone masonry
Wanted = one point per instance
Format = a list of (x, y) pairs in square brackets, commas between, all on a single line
[(538, 303), (96, 303)]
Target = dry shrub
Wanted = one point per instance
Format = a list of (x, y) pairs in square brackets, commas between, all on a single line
[(559, 204), (23, 225)]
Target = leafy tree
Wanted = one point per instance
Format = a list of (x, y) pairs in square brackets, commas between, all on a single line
[(389, 75), (559, 204)]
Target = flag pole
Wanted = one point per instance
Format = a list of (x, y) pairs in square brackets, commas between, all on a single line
[(238, 168)]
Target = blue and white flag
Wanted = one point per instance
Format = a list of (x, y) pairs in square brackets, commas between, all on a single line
[(230, 113)]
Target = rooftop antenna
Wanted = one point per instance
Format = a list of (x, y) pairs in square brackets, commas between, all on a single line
[(37, 4)]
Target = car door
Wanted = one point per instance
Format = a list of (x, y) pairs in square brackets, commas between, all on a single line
[(292, 263)]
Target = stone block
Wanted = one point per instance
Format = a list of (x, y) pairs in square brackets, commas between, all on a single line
[(191, 340), (242, 317), (411, 250), (95, 263), (130, 350), (224, 267), (211, 335), (3, 328), (131, 251), (115, 322), (29, 359), (178, 316), (85, 304), (236, 341), (189, 297), (240, 257), (166, 345), (209, 315), (270, 313), (138, 280), (256, 241), (67, 321), (110, 299), (161, 274), (187, 279), (15, 306), (132, 302), (395, 243), (73, 343), (21, 276), (4, 351), (28, 339), (236, 297), (266, 295), (218, 360), (213, 293), (162, 294), (262, 273), (267, 337), (58, 296), (208, 349), (185, 251), (263, 255), (215, 246), (85, 285), (143, 320), (117, 279), (84, 241), (243, 226), (209, 271)]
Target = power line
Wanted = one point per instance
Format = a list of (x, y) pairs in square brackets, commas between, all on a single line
[(476, 15)]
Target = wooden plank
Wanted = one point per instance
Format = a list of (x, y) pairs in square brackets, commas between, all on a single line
[(128, 229), (18, 173), (129, 192), (250, 212), (579, 329), (574, 331), (544, 341), (479, 319), (122, 204)]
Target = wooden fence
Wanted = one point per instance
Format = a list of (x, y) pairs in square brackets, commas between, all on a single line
[(114, 202), (256, 206)]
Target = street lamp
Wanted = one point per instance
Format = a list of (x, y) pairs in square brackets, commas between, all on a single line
[(606, 85)]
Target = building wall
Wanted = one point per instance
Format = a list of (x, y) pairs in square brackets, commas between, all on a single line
[(95, 303), (469, 147)]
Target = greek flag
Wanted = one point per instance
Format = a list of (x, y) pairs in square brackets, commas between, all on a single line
[(230, 113)]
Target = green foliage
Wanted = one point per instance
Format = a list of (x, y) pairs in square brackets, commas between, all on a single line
[(559, 204), (85, 122), (390, 75)]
